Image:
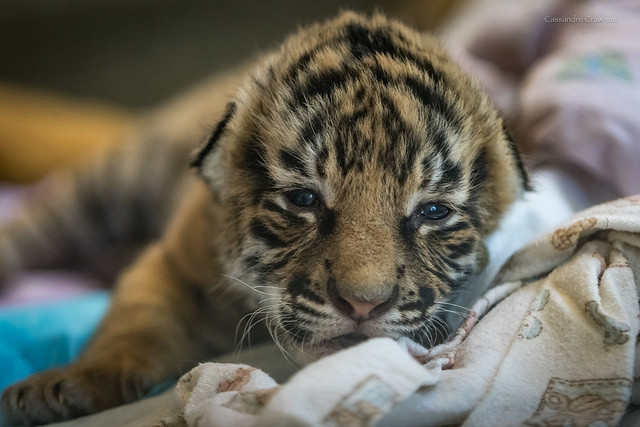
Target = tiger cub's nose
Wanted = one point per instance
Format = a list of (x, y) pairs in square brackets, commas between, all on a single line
[(360, 309)]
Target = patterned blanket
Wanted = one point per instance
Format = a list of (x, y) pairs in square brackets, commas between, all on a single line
[(557, 346)]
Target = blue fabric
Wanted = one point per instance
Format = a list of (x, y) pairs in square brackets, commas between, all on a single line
[(35, 337)]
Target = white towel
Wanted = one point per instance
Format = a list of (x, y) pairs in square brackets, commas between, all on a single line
[(559, 350)]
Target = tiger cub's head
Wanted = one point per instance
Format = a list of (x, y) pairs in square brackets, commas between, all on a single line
[(359, 171)]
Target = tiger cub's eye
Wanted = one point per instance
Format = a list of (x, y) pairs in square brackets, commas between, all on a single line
[(303, 198), (432, 212)]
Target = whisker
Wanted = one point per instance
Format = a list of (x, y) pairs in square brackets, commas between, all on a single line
[(452, 305), (276, 339), (442, 326), (249, 325), (253, 288)]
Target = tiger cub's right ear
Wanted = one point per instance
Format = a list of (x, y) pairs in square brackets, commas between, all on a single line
[(203, 152), (208, 160)]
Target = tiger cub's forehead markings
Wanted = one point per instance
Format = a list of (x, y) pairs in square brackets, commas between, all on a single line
[(320, 63), (366, 98)]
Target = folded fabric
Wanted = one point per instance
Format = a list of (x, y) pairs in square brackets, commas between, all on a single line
[(354, 387), (560, 349)]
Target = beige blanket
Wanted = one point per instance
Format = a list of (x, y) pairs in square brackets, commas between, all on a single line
[(560, 349)]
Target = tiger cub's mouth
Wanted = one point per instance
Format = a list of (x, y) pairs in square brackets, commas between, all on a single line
[(343, 341)]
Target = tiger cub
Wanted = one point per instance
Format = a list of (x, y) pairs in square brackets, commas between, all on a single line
[(351, 180)]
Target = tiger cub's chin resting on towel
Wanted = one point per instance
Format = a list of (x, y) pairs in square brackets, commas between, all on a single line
[(344, 194)]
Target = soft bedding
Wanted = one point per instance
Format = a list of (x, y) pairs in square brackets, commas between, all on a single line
[(39, 335), (560, 349), (45, 317), (558, 344), (553, 342)]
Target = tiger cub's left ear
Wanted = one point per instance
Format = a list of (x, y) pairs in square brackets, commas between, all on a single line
[(202, 153), (204, 157)]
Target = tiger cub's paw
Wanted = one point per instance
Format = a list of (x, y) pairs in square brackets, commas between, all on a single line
[(71, 392)]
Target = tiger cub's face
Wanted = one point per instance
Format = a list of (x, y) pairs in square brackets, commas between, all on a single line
[(359, 171)]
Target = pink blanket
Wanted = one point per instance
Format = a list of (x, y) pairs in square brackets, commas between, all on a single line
[(567, 75)]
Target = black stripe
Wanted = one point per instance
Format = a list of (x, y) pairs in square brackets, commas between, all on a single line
[(524, 175), (310, 310), (322, 84), (270, 267), (457, 250), (311, 128), (439, 274), (466, 270), (321, 162), (479, 171), (451, 173), (409, 321), (393, 121), (399, 156), (451, 264), (292, 326), (427, 174), (477, 181), (254, 163), (363, 43), (344, 164), (358, 114), (426, 94), (432, 100), (291, 160), (326, 222), (255, 262), (426, 300), (260, 231), (382, 76), (302, 63), (430, 179), (407, 231), (366, 42), (427, 296), (439, 138), (471, 211), (300, 286), (211, 143), (458, 226), (290, 217), (251, 261), (411, 154), (413, 305), (398, 162)]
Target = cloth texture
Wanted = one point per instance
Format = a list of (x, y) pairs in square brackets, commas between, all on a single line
[(37, 336), (565, 74), (558, 343), (557, 346)]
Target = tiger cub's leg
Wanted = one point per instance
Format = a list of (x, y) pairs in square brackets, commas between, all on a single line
[(170, 310), (153, 331)]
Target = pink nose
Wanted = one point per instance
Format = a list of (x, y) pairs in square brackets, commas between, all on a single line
[(359, 309)]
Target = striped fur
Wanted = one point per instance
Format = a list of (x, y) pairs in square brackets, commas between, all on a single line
[(345, 194), (378, 122)]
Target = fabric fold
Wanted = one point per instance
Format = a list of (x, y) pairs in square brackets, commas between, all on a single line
[(557, 346)]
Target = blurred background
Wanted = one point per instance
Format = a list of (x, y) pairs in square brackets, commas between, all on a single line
[(74, 73), (135, 53)]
